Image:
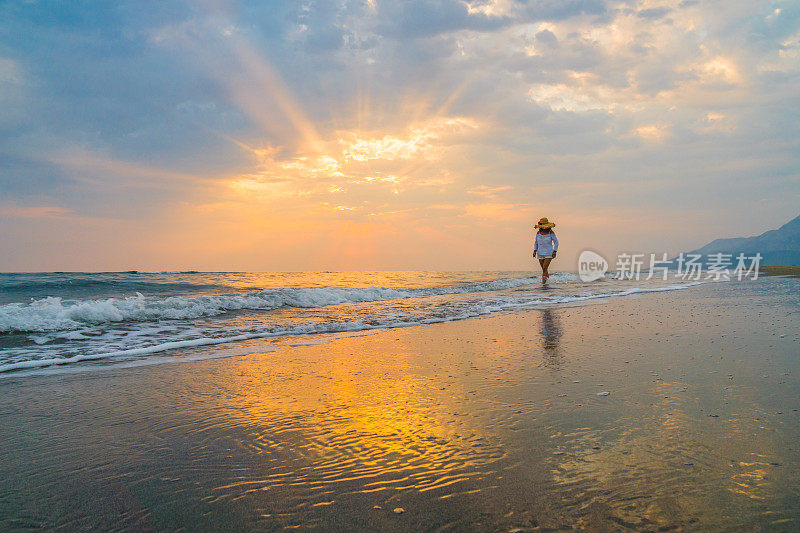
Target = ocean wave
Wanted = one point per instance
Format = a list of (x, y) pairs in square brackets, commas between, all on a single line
[(74, 284), (386, 322), (56, 313), (161, 272)]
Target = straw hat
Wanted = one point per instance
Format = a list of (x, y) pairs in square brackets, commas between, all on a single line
[(544, 224)]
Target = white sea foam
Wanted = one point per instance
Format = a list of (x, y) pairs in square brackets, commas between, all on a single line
[(56, 314)]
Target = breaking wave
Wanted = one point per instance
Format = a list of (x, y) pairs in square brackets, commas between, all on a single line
[(55, 313)]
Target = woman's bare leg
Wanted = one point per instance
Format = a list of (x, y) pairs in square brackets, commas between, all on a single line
[(545, 265)]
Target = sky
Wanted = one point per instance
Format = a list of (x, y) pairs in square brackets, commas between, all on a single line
[(390, 135)]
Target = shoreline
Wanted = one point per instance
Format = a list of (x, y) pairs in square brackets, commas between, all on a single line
[(784, 270), (489, 423), (110, 359)]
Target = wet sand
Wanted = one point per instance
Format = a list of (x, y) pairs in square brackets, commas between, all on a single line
[(487, 424)]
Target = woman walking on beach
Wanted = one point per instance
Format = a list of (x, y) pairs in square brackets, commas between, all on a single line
[(545, 244)]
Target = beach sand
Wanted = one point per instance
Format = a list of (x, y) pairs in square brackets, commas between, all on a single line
[(787, 270), (487, 424)]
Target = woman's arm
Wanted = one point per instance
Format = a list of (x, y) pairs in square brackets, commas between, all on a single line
[(555, 242)]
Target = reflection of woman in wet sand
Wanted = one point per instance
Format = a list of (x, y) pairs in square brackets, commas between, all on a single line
[(545, 245), (551, 335), (551, 328)]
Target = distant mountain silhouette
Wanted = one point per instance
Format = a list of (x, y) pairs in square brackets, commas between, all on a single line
[(777, 247)]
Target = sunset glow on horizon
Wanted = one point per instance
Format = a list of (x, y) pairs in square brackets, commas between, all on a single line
[(372, 135)]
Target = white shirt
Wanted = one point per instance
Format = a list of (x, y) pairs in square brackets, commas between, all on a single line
[(545, 244)]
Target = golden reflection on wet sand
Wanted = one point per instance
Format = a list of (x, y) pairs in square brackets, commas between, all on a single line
[(367, 424)]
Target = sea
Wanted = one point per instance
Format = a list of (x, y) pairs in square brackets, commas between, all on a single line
[(75, 321)]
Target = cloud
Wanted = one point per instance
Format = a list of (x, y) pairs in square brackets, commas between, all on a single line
[(10, 73), (654, 13), (563, 97), (427, 18)]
